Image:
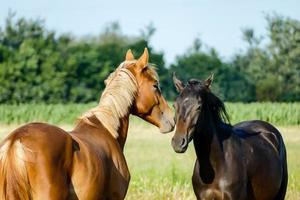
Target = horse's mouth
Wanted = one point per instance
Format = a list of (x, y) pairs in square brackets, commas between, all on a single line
[(181, 148)]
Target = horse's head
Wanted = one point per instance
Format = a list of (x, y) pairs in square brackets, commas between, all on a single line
[(149, 103), (188, 107)]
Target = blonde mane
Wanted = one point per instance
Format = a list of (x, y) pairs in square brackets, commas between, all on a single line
[(116, 99)]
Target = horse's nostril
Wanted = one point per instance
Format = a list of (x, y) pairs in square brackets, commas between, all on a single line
[(183, 142)]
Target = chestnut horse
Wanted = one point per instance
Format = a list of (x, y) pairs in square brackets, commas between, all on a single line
[(42, 161), (244, 161)]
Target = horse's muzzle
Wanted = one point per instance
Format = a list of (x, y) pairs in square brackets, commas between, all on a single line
[(179, 144), (167, 124)]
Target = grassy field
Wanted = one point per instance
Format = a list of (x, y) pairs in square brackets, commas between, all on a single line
[(283, 114), (160, 174)]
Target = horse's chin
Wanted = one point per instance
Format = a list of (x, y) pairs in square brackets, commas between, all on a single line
[(167, 127), (181, 150), (166, 130), (180, 143)]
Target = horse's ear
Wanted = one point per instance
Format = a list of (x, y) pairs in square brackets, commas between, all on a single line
[(178, 83), (129, 55), (143, 60), (209, 80)]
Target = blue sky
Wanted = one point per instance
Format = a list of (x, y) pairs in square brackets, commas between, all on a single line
[(217, 22)]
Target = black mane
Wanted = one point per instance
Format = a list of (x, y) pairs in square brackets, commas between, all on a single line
[(215, 106), (210, 102)]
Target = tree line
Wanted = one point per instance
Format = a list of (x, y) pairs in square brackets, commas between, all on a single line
[(40, 65)]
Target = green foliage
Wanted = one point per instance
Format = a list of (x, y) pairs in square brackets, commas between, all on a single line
[(197, 63), (274, 68), (38, 66), (269, 72)]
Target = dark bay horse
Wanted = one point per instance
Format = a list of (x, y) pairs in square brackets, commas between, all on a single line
[(39, 161), (240, 162)]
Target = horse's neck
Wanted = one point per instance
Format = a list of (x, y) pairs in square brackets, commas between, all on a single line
[(123, 130), (112, 112), (209, 150), (95, 128), (208, 145)]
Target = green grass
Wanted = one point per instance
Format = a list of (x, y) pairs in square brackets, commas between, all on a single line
[(51, 113), (157, 172), (277, 113), (282, 114)]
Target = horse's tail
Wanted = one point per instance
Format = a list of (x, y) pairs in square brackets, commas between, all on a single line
[(284, 181), (14, 183)]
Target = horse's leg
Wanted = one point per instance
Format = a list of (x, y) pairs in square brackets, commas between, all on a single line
[(119, 178), (49, 182), (48, 174), (118, 187), (90, 176), (282, 191), (195, 180)]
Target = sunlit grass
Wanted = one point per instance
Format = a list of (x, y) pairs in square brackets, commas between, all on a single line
[(157, 173)]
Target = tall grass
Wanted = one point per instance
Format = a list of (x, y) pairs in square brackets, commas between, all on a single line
[(282, 114), (277, 113), (51, 113)]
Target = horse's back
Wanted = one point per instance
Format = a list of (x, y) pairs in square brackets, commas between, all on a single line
[(265, 156), (256, 126), (38, 131), (41, 137), (261, 135), (44, 139)]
